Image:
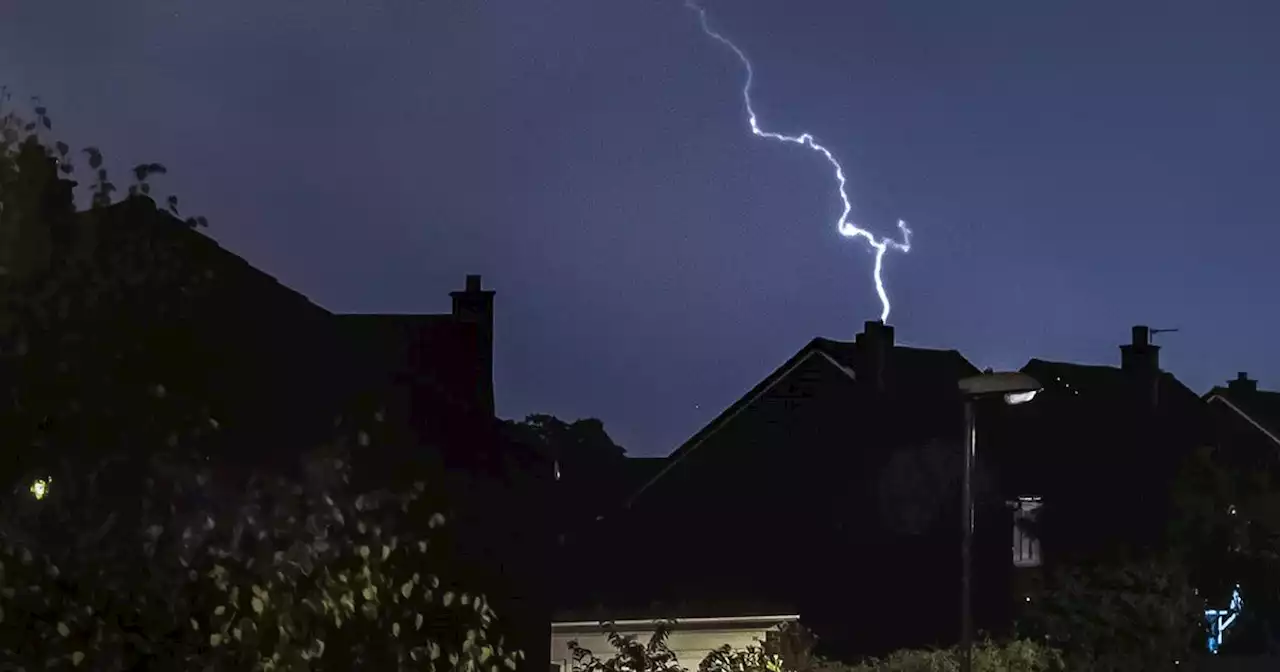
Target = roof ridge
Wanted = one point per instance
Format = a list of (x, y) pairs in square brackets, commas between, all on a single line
[(897, 346), (1082, 365)]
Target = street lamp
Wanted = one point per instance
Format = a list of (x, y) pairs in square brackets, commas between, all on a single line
[(1014, 388)]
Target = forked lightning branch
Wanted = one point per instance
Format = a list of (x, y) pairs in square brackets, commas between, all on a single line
[(845, 224)]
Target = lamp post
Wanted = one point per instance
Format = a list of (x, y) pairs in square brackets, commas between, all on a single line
[(1014, 388)]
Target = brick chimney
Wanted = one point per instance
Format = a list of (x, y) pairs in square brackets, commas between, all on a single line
[(874, 346), (1242, 383), (1140, 358), (475, 305)]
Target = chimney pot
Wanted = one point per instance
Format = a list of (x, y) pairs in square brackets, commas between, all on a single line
[(1242, 383), (473, 283), (1141, 335)]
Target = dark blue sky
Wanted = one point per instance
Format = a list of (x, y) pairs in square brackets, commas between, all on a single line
[(1069, 169)]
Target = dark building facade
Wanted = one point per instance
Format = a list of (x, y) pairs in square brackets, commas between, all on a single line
[(1124, 430), (797, 497), (832, 489), (1252, 416)]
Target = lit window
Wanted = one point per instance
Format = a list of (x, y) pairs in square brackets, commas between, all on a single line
[(1026, 548), (40, 487)]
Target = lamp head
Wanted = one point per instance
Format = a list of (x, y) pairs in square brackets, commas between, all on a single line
[(1015, 398), (1015, 387)]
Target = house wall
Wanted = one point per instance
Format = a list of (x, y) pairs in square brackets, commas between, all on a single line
[(690, 643)]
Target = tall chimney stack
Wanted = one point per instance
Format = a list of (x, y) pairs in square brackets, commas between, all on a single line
[(874, 346), (475, 305), (1141, 360)]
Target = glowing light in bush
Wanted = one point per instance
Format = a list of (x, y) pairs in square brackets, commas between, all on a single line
[(1221, 619), (40, 487)]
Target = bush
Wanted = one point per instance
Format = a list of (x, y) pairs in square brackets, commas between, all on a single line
[(210, 572), (782, 655), (629, 654), (1117, 616), (1014, 656)]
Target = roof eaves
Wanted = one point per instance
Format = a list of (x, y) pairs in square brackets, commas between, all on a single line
[(696, 622)]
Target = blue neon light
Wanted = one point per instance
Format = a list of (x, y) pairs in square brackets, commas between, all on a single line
[(1221, 619)]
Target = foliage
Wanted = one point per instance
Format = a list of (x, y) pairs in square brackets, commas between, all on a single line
[(630, 655), (747, 659), (1228, 528), (146, 550), (791, 651), (589, 465), (35, 189), (87, 336), (1016, 656), (1118, 616), (581, 441), (1122, 604), (210, 572)]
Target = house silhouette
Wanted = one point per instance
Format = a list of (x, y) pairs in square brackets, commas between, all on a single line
[(831, 490), (275, 372)]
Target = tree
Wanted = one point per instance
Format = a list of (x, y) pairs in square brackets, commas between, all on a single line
[(90, 334), (589, 465), (1228, 527), (1124, 605), (1123, 615), (126, 540), (582, 442)]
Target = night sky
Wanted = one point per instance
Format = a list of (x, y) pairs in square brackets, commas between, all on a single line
[(1069, 169)]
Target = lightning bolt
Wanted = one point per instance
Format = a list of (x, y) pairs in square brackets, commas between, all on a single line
[(844, 225)]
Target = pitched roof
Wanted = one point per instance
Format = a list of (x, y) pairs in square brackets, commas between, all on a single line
[(1086, 413), (106, 229), (1259, 407), (923, 373), (258, 339), (294, 350), (916, 370), (1106, 384)]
